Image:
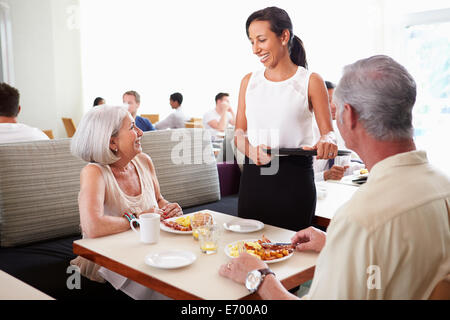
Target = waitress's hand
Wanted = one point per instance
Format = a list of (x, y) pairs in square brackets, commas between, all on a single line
[(326, 146), (259, 156)]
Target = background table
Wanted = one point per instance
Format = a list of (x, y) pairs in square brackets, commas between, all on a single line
[(336, 195), (124, 253)]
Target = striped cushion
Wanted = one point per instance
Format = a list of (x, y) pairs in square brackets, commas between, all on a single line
[(39, 185), (39, 182)]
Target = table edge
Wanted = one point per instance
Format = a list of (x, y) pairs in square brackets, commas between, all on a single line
[(135, 275), (167, 289)]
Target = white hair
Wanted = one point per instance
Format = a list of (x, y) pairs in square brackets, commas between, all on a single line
[(92, 137), (382, 93)]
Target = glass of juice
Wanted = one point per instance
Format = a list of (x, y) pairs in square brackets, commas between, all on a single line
[(209, 236)]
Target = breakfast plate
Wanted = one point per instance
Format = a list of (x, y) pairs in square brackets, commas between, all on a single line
[(167, 228), (243, 225), (232, 251), (358, 174), (170, 259), (173, 225)]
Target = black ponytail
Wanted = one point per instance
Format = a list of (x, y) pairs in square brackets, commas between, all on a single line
[(279, 21), (297, 52)]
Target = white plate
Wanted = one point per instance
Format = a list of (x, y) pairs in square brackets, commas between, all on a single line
[(231, 245), (243, 225), (166, 228), (357, 174), (162, 226), (170, 259)]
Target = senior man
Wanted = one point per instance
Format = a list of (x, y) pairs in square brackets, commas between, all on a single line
[(392, 239)]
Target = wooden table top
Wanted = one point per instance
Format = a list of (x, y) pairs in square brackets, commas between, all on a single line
[(124, 253)]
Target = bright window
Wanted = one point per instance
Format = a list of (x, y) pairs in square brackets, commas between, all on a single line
[(428, 60)]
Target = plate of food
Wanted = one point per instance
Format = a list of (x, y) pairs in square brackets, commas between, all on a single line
[(360, 176), (182, 224), (263, 249), (360, 173), (170, 259), (243, 225)]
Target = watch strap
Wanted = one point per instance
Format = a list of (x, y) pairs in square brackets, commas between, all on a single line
[(264, 272)]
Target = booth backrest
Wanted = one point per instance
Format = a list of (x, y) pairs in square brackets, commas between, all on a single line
[(39, 182)]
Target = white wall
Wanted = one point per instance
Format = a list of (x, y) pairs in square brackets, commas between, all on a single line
[(196, 47), (200, 47), (47, 63)]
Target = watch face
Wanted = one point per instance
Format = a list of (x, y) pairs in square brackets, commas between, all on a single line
[(253, 280)]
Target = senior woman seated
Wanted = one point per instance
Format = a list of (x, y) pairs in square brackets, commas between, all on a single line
[(120, 180)]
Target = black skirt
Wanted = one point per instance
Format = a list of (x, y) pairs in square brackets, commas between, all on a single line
[(286, 199)]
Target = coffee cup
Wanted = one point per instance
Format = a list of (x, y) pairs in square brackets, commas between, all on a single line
[(148, 227)]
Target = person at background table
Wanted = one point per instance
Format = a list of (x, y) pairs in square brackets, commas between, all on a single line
[(133, 100), (275, 110), (99, 101), (391, 240), (177, 118), (10, 129), (330, 169), (118, 179), (218, 119)]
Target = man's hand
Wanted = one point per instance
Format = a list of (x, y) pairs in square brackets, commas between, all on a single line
[(309, 239), (335, 173), (238, 268)]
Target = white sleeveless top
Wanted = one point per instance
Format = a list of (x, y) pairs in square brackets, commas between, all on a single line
[(278, 113)]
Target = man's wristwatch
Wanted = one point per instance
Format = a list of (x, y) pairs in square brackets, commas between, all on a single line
[(255, 278)]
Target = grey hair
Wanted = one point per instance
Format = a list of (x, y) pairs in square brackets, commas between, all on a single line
[(382, 92), (92, 137)]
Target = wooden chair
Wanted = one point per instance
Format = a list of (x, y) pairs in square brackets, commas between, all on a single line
[(442, 290), (152, 117), (194, 123), (70, 126), (49, 133), (191, 124)]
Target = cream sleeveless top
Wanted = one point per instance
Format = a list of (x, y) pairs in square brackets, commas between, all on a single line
[(117, 202), (278, 113)]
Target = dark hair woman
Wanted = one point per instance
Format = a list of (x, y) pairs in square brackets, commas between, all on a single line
[(279, 22), (275, 110)]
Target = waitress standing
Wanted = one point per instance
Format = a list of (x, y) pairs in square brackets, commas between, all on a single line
[(275, 110)]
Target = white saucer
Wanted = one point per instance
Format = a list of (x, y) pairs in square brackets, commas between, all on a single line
[(243, 225), (171, 259)]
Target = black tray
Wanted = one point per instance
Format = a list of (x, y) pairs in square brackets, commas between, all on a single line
[(301, 152)]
